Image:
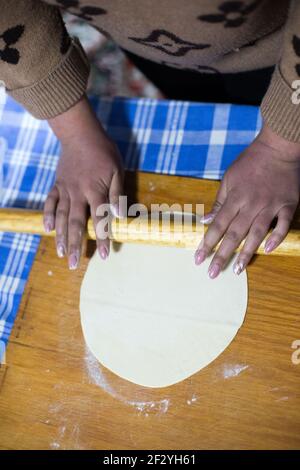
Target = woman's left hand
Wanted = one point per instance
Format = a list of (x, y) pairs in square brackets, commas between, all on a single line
[(261, 185)]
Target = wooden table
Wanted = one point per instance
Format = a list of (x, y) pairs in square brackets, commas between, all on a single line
[(55, 395)]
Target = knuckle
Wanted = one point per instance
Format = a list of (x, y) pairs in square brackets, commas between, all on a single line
[(258, 233), (95, 194), (76, 224), (76, 192), (206, 245), (218, 225), (62, 213), (63, 191), (61, 231), (61, 235), (232, 236), (245, 256), (219, 259)]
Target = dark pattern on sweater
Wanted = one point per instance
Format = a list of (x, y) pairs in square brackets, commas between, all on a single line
[(232, 14), (10, 37), (168, 43), (85, 12), (296, 46)]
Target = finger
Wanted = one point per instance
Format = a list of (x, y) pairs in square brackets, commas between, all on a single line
[(61, 224), (234, 235), (216, 230), (284, 219), (49, 209), (257, 233), (76, 230), (98, 204), (219, 201), (115, 191)]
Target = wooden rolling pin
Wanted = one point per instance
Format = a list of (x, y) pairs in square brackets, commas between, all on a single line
[(136, 230)]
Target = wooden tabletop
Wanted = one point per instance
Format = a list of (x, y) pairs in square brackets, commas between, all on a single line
[(55, 395)]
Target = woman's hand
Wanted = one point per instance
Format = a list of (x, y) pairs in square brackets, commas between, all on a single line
[(262, 184), (89, 174)]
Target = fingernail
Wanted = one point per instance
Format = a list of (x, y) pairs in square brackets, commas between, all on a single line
[(103, 252), (269, 246), (60, 250), (214, 271), (73, 261), (238, 267), (207, 219), (199, 257), (48, 227)]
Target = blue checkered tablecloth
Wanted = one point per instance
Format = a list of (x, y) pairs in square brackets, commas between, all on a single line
[(170, 137)]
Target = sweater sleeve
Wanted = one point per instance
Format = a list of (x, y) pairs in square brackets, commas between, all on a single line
[(41, 67), (280, 109)]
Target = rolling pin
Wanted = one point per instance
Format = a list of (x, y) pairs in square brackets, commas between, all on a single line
[(136, 230)]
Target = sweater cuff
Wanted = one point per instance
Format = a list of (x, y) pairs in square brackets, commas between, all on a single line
[(61, 89), (278, 109)]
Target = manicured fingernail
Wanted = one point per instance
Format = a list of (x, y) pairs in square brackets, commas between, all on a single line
[(214, 271), (60, 250), (238, 267), (269, 246), (199, 257), (207, 219), (48, 227), (73, 261), (103, 252)]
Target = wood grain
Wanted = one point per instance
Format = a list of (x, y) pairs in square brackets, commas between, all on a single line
[(54, 395)]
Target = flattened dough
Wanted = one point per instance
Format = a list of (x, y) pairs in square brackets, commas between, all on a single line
[(154, 318)]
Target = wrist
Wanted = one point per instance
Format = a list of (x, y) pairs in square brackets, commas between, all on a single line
[(285, 149), (78, 124)]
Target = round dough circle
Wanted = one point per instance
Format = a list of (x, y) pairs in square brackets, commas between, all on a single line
[(154, 318)]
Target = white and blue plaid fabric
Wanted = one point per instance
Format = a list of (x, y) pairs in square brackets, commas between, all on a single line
[(170, 137)]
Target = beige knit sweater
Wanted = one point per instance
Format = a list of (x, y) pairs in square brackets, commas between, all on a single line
[(47, 72)]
